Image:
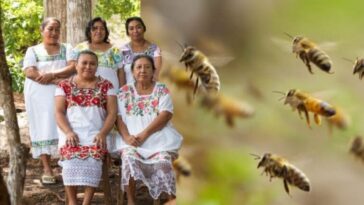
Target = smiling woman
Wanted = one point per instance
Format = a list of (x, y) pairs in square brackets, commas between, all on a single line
[(85, 113)]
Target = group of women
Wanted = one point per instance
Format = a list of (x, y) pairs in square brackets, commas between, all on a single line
[(75, 97)]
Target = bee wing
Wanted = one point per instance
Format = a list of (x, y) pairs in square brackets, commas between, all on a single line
[(220, 61), (283, 44), (327, 46), (170, 57), (324, 94)]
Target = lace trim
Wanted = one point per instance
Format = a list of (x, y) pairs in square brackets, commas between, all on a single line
[(82, 152), (44, 143), (159, 176), (81, 172), (50, 150)]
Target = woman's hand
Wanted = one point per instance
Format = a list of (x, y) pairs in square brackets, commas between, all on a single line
[(45, 78), (141, 137), (131, 140), (72, 139), (100, 140)]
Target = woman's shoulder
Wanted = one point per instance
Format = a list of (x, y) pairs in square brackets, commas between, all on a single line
[(65, 84), (105, 83), (126, 88), (82, 46), (161, 88)]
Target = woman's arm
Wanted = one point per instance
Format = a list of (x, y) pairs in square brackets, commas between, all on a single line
[(62, 122), (53, 77), (157, 124), (32, 73), (121, 77), (111, 109), (158, 65), (124, 132)]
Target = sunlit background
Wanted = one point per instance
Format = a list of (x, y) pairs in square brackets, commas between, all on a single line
[(249, 37)]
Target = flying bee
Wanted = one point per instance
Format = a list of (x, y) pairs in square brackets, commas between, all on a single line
[(303, 102), (340, 120), (200, 65), (357, 148), (276, 166), (309, 52), (182, 167), (358, 67), (227, 106)]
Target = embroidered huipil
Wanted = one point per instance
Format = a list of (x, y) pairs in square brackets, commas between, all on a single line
[(39, 99), (151, 162), (86, 113)]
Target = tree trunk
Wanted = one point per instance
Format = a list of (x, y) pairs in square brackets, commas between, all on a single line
[(4, 196), (57, 9), (78, 14), (18, 152)]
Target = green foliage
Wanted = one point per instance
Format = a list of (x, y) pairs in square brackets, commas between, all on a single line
[(21, 20), (124, 8)]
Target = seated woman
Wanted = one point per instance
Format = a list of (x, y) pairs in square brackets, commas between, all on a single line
[(149, 141), (85, 113), (138, 45)]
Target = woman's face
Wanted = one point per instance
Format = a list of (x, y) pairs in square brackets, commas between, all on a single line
[(136, 30), (86, 66), (51, 32), (98, 32), (143, 70)]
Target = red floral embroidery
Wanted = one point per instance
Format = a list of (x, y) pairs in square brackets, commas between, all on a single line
[(82, 152), (84, 96)]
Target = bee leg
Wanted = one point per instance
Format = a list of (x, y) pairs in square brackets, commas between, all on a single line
[(299, 114), (195, 89), (307, 117), (317, 119), (229, 120), (191, 75), (285, 183), (306, 61)]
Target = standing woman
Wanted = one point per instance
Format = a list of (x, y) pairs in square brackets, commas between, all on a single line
[(44, 65), (110, 60), (85, 112), (149, 141), (135, 29)]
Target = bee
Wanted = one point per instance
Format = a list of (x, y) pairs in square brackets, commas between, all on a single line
[(340, 120), (358, 66), (276, 166), (357, 148), (309, 52), (227, 106), (182, 167), (181, 79), (200, 65), (303, 102)]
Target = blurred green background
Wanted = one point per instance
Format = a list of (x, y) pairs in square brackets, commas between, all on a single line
[(252, 33)]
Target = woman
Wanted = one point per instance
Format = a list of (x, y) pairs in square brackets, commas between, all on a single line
[(149, 141), (135, 29), (110, 60), (85, 112), (44, 65)]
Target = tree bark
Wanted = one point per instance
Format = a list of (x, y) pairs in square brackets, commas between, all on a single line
[(78, 15), (18, 152), (57, 9)]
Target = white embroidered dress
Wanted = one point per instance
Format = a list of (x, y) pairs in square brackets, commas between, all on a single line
[(128, 55), (109, 62), (86, 113), (39, 99), (151, 163)]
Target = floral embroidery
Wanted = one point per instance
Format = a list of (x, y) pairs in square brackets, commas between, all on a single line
[(44, 143), (156, 157), (86, 97), (142, 105), (41, 54), (128, 54), (108, 59), (82, 152)]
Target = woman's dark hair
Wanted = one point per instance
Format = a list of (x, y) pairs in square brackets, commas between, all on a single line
[(134, 18), (91, 23), (149, 58), (88, 52), (48, 20)]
